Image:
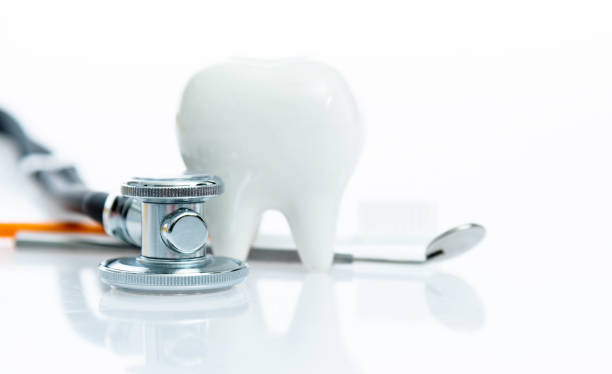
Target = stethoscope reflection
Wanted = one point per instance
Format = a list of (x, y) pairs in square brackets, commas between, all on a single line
[(231, 331), (167, 331)]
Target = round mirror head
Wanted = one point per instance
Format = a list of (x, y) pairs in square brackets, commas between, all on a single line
[(455, 241)]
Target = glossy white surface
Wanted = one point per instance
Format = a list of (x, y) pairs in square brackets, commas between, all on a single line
[(481, 313), (282, 135)]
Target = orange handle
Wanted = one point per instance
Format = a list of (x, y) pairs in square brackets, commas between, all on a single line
[(11, 229)]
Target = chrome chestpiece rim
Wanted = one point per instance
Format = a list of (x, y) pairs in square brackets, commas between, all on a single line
[(137, 273), (187, 188), (173, 238)]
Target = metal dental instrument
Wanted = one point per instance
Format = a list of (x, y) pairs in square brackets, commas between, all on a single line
[(449, 244)]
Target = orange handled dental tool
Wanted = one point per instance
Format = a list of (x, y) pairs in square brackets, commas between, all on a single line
[(10, 229)]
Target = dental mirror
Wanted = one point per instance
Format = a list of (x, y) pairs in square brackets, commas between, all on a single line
[(455, 241), (449, 244)]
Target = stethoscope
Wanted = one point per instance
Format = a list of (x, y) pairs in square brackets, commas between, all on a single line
[(166, 218)]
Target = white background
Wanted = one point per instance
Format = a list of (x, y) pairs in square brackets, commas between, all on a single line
[(479, 107), (497, 112)]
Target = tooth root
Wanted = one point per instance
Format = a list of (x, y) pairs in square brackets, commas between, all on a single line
[(313, 226), (234, 225)]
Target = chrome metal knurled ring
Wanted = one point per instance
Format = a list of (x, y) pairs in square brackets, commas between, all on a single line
[(187, 187), (135, 274)]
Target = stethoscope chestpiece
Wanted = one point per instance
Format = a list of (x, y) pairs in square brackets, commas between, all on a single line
[(174, 237)]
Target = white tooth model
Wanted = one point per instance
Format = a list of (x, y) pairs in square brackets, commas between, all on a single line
[(282, 135)]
